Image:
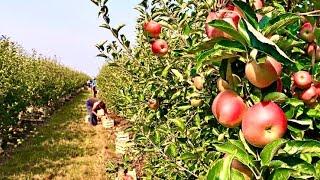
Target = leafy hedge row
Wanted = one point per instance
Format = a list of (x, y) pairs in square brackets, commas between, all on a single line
[(30, 80), (111, 86), (180, 140)]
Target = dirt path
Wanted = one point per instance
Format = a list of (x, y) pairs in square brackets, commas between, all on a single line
[(65, 148)]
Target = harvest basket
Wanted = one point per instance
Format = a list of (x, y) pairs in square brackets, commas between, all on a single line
[(100, 113), (121, 142), (107, 122)]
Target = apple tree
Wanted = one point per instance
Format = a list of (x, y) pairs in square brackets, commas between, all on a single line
[(218, 89)]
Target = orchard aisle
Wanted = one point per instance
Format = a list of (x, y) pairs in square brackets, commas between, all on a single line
[(65, 148)]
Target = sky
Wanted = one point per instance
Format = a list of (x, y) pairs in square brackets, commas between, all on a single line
[(68, 29)]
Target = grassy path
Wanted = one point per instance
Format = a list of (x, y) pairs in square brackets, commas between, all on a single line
[(65, 148)]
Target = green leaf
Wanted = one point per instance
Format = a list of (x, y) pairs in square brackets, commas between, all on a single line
[(120, 27), (165, 71), (103, 2), (288, 44), (280, 174), (240, 154), (234, 46), (263, 44), (248, 12), (295, 102), (156, 137), (184, 108), (175, 95), (180, 123), (103, 55), (171, 150), (302, 146), (304, 124), (95, 2), (301, 169), (314, 113), (276, 97), (188, 156), (205, 45), (166, 25), (306, 157), (177, 74), (270, 150), (107, 26), (223, 68), (236, 175), (197, 120), (280, 22), (217, 55), (317, 166), (229, 29), (186, 30), (221, 169), (245, 144), (317, 34), (205, 54)]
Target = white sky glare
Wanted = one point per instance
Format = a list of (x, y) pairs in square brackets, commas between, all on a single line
[(68, 29)]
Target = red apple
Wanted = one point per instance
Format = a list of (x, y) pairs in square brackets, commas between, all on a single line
[(159, 47), (275, 64), (229, 108), (232, 16), (258, 4), (238, 11), (261, 75), (317, 86), (309, 95), (228, 14), (152, 28), (263, 123), (153, 104), (213, 32), (232, 19), (198, 82), (302, 79), (306, 32), (313, 48)]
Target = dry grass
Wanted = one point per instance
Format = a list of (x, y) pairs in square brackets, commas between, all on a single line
[(65, 148)]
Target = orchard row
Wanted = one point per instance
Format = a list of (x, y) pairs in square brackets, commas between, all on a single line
[(30, 80)]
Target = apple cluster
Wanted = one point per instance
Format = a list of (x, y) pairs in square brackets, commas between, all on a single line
[(264, 122), (231, 15), (307, 33), (305, 88), (159, 47)]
